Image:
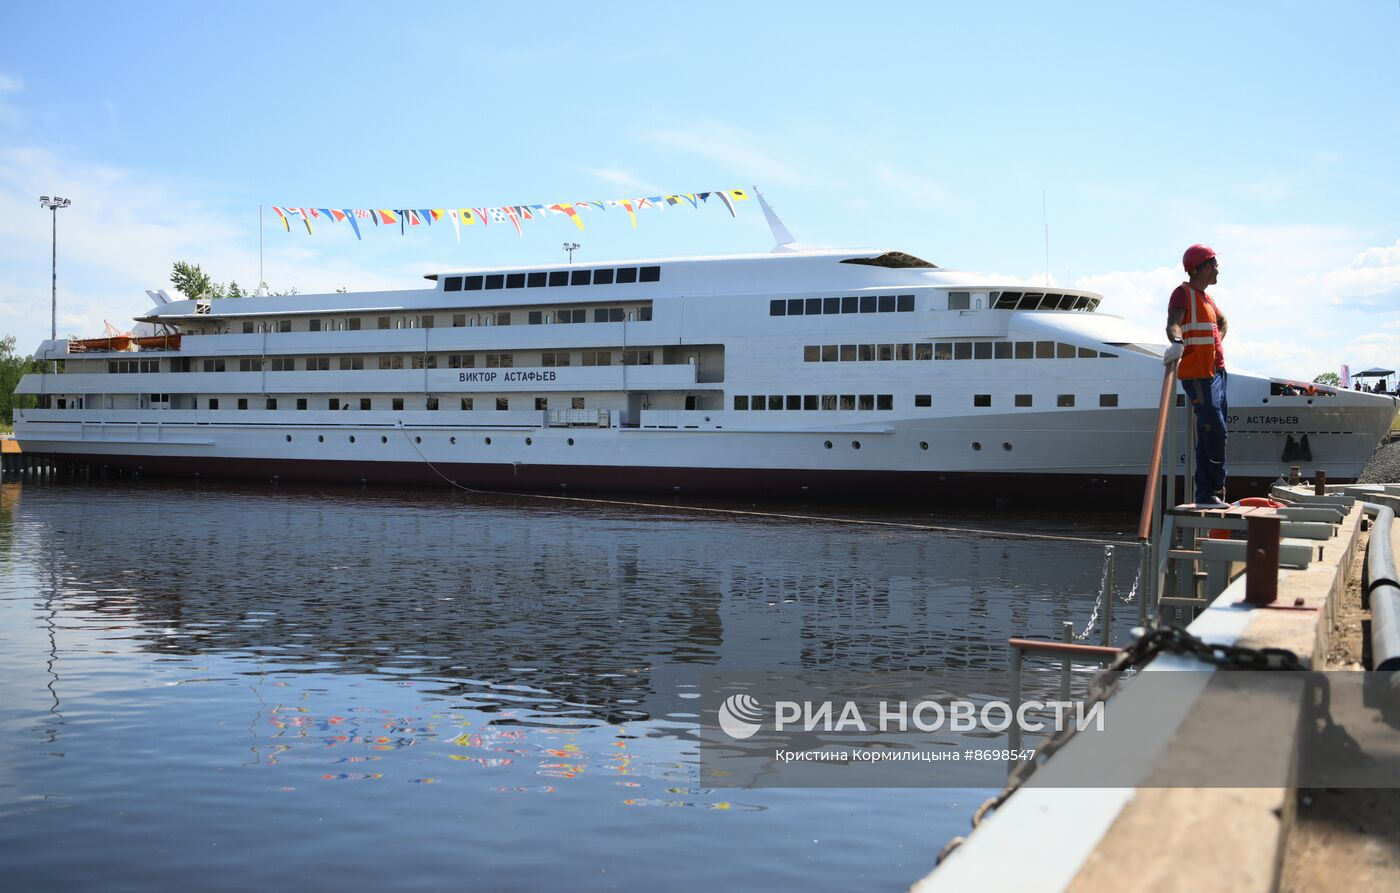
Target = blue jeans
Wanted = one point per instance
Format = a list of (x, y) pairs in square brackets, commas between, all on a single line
[(1208, 404)]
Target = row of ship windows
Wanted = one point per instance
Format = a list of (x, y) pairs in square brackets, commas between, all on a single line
[(548, 359), (950, 350), (553, 279), (770, 402), (881, 401), (459, 320), (468, 404), (848, 304), (957, 300)]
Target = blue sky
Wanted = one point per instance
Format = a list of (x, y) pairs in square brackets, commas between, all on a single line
[(1271, 131)]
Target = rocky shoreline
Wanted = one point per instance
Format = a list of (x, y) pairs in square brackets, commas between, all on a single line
[(1384, 466)]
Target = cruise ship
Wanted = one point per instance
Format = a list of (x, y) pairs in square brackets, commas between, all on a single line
[(795, 373)]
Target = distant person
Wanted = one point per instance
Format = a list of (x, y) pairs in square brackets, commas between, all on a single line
[(1358, 384), (1195, 327)]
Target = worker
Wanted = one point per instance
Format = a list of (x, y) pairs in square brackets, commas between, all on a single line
[(1195, 327)]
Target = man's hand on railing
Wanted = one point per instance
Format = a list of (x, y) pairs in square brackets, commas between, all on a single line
[(1173, 354)]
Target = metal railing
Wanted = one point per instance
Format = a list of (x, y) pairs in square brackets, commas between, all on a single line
[(1066, 650)]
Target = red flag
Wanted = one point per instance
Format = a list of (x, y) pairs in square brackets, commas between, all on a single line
[(566, 208), (514, 218)]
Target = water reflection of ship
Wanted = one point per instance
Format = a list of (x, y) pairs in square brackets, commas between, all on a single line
[(595, 613)]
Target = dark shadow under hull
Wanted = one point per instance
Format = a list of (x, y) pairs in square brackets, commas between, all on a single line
[(1002, 488)]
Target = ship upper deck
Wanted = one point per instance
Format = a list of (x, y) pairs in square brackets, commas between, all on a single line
[(805, 272)]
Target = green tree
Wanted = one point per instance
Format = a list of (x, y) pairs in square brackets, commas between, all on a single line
[(193, 281), (12, 367), (1329, 378)]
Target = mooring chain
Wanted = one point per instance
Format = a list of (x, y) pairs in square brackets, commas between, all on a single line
[(1147, 645), (1098, 602), (1132, 592)]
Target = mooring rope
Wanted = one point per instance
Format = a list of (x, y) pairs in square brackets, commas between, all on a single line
[(785, 516)]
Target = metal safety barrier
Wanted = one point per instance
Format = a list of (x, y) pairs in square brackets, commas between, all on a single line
[(1065, 650), (1382, 587)]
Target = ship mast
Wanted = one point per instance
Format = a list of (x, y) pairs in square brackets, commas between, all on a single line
[(782, 237)]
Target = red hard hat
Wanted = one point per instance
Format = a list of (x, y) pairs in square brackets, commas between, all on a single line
[(1195, 256)]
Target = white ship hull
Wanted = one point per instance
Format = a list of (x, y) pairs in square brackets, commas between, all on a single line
[(944, 407)]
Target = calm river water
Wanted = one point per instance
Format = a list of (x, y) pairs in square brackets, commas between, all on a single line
[(229, 688)]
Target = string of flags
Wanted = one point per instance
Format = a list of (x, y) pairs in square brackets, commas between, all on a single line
[(516, 215)]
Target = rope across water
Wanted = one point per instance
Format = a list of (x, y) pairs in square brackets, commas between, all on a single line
[(787, 516)]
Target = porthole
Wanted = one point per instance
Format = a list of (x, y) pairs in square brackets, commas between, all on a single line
[(488, 441), (976, 445), (417, 440), (529, 440), (1006, 445), (352, 438), (855, 444), (383, 438), (923, 444), (452, 440), (289, 438), (828, 444), (320, 438), (571, 441)]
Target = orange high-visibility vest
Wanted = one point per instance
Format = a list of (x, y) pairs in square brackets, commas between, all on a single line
[(1198, 333)]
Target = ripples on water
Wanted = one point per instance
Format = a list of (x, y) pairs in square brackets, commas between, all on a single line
[(229, 687)]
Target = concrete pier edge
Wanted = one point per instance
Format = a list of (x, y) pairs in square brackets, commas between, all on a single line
[(1163, 838)]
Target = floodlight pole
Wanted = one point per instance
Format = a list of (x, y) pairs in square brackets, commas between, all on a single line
[(53, 204), (571, 247)]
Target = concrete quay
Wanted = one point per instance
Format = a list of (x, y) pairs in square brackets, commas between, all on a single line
[(1159, 835)]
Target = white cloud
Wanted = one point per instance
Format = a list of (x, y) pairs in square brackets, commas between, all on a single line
[(624, 180), (1138, 295), (909, 188), (731, 149), (1374, 271), (125, 230)]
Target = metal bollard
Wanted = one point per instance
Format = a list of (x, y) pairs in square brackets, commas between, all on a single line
[(1261, 561), (1295, 474), (1108, 596), (1067, 638), (1320, 483)]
